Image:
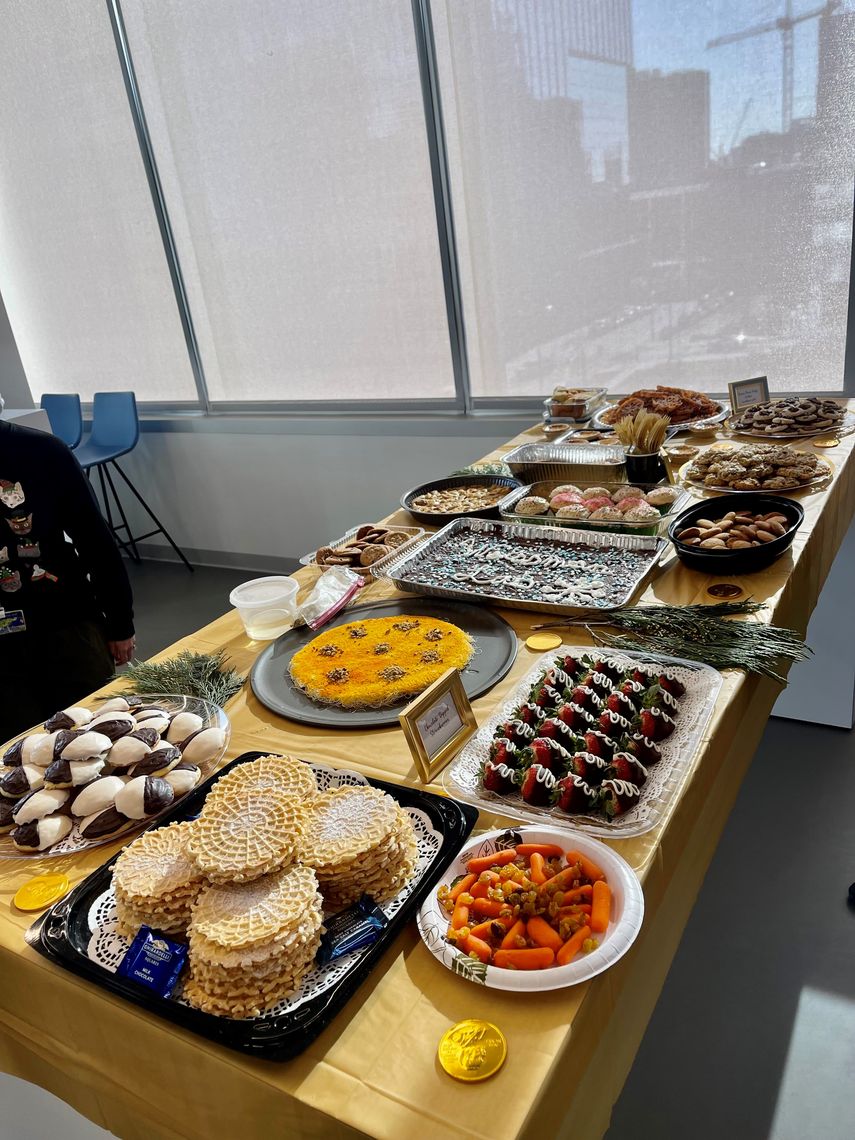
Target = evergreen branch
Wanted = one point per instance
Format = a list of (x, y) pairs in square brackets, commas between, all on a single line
[(203, 675)]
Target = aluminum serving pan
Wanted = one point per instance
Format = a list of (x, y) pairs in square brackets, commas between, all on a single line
[(400, 567), (414, 532), (533, 462)]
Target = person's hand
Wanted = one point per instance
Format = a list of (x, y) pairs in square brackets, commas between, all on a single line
[(122, 651)]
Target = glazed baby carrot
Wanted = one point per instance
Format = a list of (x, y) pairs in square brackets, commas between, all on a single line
[(490, 908), (536, 959), (547, 850), (464, 885), (562, 879), (476, 946), (572, 946), (536, 868), (601, 906), (577, 895), (541, 933), (492, 926), (479, 890), (518, 930), (460, 916), (497, 859), (589, 869), (575, 909)]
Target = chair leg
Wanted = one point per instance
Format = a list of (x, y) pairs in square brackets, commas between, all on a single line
[(135, 554), (105, 497), (153, 516)]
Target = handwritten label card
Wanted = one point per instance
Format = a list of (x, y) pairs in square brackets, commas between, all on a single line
[(437, 724)]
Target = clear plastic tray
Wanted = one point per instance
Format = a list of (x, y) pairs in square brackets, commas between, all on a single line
[(545, 488), (665, 777), (580, 407)]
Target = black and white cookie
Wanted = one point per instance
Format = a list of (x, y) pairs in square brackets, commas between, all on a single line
[(73, 773), (86, 746), (133, 748), (41, 833), (113, 724), (183, 778), (73, 717), (21, 752), (182, 726), (203, 746), (102, 824), (39, 804), (20, 781), (152, 716), (158, 762), (97, 796), (7, 814), (144, 796)]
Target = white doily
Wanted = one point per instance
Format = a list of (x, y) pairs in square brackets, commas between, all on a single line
[(702, 683), (107, 947)]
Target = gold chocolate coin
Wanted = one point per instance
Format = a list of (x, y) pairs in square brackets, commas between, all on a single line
[(472, 1050), (725, 590), (827, 441), (540, 642), (41, 891)]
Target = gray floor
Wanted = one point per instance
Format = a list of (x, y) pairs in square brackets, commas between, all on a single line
[(753, 1037)]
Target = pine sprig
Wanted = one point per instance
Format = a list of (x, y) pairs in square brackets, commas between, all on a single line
[(203, 675), (703, 633)]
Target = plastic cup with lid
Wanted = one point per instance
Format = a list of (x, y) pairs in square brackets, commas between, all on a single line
[(267, 606)]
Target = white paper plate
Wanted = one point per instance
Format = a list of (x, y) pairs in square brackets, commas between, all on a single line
[(627, 914)]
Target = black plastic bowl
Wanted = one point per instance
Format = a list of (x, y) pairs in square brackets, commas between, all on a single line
[(736, 561), (434, 518)]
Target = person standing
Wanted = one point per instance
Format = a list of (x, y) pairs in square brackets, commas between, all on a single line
[(66, 608)]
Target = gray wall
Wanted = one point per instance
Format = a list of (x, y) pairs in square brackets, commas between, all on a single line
[(13, 382), (261, 493)]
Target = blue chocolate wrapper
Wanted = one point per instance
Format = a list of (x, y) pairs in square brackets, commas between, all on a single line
[(352, 929), (153, 961)]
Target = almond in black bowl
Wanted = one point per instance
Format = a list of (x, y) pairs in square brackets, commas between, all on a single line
[(735, 534)]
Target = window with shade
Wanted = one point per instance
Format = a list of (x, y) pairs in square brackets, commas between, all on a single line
[(638, 192)]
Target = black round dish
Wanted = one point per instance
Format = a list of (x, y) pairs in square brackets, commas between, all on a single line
[(736, 561), (440, 519), (495, 651)]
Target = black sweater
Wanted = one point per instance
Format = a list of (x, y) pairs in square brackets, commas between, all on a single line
[(55, 582)]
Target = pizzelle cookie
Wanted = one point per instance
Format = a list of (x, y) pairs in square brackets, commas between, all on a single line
[(155, 881), (245, 833), (269, 773), (241, 915)]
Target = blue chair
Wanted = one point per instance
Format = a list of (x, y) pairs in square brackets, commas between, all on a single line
[(66, 418), (116, 432)]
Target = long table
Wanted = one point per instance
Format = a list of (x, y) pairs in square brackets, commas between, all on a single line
[(374, 1071)]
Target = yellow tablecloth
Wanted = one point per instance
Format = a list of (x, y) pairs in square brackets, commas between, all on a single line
[(374, 1071)]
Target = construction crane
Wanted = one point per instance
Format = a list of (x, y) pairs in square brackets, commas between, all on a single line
[(785, 25), (741, 122)]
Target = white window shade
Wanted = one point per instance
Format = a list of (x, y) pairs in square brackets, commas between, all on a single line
[(290, 142), (636, 203), (82, 269)]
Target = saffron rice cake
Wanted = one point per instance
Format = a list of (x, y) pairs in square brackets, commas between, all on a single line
[(375, 662)]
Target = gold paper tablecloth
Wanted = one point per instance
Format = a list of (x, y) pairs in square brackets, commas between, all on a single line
[(374, 1070)]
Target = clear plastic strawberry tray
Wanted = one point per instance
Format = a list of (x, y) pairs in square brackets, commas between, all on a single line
[(665, 777)]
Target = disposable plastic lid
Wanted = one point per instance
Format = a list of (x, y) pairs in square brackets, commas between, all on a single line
[(262, 590)]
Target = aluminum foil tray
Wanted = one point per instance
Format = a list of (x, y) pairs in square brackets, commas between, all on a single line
[(533, 462), (411, 570)]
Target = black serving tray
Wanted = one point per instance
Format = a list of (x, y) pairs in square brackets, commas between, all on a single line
[(62, 936), (435, 518)]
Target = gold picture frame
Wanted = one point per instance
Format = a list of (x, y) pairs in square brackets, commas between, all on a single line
[(437, 724), (746, 393)]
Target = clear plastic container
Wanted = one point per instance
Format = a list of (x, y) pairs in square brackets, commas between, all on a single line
[(267, 606)]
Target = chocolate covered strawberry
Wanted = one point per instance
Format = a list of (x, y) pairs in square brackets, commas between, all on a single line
[(599, 682), (585, 698), (537, 785), (570, 664), (654, 724), (516, 731), (627, 767), (633, 691), (554, 729), (599, 744), (546, 697), (608, 665), (558, 679), (641, 676), (591, 768), (548, 753), (499, 778), (503, 752), (641, 746), (575, 717), (671, 684), (573, 795), (658, 698), (613, 724), (620, 703), (529, 713), (617, 797)]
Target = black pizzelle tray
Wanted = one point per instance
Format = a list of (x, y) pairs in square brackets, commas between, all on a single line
[(62, 935)]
